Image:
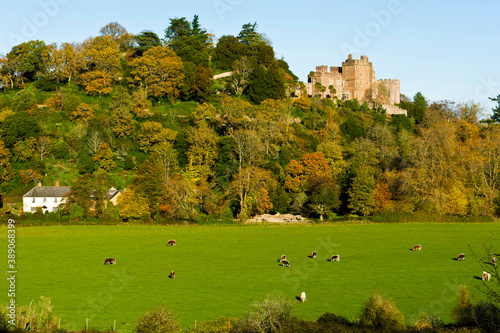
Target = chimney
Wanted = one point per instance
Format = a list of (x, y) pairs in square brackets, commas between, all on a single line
[(39, 184), (57, 183)]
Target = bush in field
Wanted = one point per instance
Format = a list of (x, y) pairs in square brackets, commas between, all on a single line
[(158, 321), (272, 315), (487, 316), (427, 323), (36, 317), (381, 313), (220, 325), (463, 313), (333, 321)]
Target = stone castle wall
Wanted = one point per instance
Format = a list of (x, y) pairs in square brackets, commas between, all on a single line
[(355, 79)]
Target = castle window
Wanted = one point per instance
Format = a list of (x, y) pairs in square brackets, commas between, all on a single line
[(356, 94), (338, 82), (361, 74), (331, 81)]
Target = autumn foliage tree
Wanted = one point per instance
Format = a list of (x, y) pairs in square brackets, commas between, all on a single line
[(159, 71)]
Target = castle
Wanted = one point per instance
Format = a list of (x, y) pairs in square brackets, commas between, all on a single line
[(356, 80)]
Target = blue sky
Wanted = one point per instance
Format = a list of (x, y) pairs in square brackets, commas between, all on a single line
[(444, 49)]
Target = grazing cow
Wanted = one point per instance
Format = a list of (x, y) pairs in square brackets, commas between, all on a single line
[(285, 263), (461, 256), (172, 275), (494, 260), (283, 257), (486, 276), (110, 261), (335, 257), (171, 242), (313, 255), (417, 247), (303, 297)]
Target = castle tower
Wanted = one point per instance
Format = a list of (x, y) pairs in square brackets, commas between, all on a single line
[(358, 76)]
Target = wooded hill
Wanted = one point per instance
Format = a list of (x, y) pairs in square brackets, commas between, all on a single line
[(143, 113)]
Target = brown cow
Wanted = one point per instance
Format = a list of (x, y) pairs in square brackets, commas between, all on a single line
[(283, 257), (486, 276), (417, 247), (335, 257), (461, 256), (172, 275), (110, 261), (285, 263), (171, 242), (313, 255)]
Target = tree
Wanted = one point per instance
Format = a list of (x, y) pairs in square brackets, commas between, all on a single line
[(24, 100), (188, 40), (144, 41), (83, 113), (100, 54), (97, 82), (250, 37), (24, 61), (159, 71), (118, 34), (298, 173), (248, 146), (132, 206), (80, 194), (60, 62), (6, 173), (250, 187), (166, 157), (496, 110), (228, 50), (203, 150), (43, 146), (203, 87), (362, 193), (17, 127), (324, 196), (470, 112), (153, 133)]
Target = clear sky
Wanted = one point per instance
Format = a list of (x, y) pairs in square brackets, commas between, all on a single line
[(445, 49)]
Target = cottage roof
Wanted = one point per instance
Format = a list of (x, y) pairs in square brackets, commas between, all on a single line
[(47, 191)]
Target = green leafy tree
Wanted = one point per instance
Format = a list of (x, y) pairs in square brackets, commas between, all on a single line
[(24, 61), (158, 321), (17, 127), (202, 89), (496, 110), (144, 41), (24, 100), (362, 193), (228, 50), (80, 194)]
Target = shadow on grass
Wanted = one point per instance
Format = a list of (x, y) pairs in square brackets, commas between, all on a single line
[(478, 277), (298, 298)]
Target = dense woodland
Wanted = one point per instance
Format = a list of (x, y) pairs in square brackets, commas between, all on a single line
[(143, 112)]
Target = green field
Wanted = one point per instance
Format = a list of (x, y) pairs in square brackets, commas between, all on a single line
[(222, 270)]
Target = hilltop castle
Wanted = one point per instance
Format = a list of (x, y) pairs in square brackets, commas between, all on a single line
[(356, 80)]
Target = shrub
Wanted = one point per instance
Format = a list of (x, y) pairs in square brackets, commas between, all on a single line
[(220, 325), (487, 316), (24, 100), (158, 321), (426, 323), (36, 317), (332, 320), (381, 313), (463, 313), (272, 315)]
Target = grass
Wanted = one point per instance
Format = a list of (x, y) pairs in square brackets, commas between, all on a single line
[(222, 270)]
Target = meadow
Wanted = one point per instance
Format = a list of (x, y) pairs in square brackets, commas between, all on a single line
[(223, 270)]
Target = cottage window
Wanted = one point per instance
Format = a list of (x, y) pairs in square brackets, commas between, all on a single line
[(33, 200), (33, 209), (54, 209), (44, 200), (55, 200)]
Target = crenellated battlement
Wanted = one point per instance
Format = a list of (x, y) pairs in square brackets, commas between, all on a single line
[(353, 80), (388, 81)]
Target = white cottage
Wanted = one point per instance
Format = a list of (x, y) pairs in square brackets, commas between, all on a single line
[(48, 198)]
